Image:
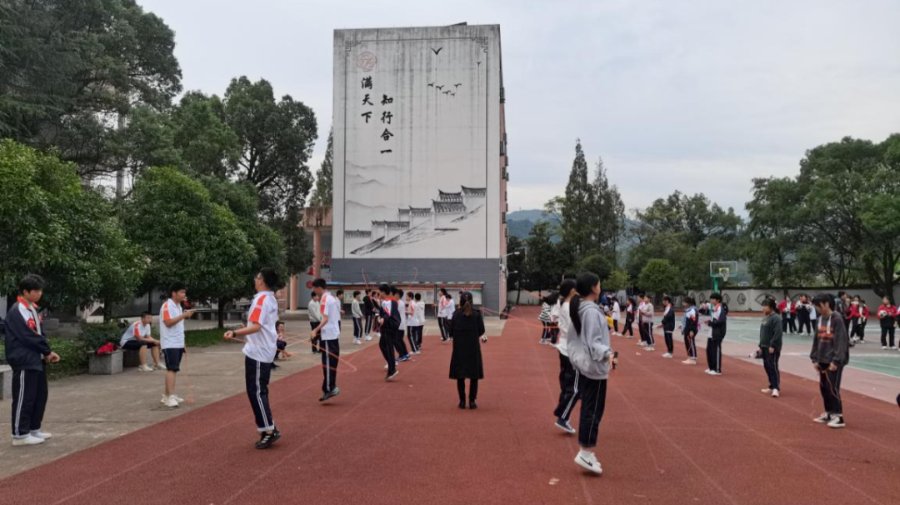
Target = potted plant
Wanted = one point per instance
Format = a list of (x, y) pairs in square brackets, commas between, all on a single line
[(101, 341)]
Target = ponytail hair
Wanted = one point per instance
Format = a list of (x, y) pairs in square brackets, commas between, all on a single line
[(584, 286), (465, 300)]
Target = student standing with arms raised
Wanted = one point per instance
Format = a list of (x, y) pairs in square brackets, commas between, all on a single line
[(260, 347), (591, 356)]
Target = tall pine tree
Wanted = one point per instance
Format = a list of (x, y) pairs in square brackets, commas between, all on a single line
[(608, 216), (575, 210), (321, 196)]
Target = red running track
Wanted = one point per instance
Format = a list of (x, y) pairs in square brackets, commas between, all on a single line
[(671, 435)]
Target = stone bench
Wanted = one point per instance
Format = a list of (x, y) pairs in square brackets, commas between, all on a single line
[(5, 382)]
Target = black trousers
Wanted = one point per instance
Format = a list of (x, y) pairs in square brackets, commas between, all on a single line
[(792, 323), (256, 375), (369, 318), (442, 325), (804, 325), (331, 353), (616, 325), (628, 330), (412, 335), (885, 333), (648, 332), (641, 331), (417, 334), (314, 341), (714, 353), (386, 345), (400, 345), (770, 364), (830, 387), (29, 400), (545, 332), (461, 389), (568, 389), (357, 328), (670, 344), (690, 344), (593, 402), (785, 322)]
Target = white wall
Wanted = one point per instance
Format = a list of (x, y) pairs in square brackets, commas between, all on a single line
[(444, 83)]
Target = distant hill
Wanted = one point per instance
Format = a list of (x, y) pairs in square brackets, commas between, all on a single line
[(521, 222)]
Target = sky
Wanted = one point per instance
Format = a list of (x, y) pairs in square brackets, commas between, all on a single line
[(698, 96)]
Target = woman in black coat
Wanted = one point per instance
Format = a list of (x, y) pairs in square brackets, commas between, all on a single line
[(466, 327)]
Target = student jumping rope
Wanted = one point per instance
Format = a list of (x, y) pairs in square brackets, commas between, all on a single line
[(328, 333), (829, 355), (568, 385), (718, 323), (399, 343), (314, 310), (171, 337), (668, 325), (770, 337), (466, 328), (591, 356), (260, 346), (28, 353), (389, 321), (689, 327)]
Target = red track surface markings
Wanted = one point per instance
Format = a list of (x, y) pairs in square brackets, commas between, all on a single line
[(671, 435)]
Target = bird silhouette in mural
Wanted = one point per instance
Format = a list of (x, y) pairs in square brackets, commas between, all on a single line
[(436, 51), (447, 92), (452, 94), (430, 84), (439, 87), (457, 85)]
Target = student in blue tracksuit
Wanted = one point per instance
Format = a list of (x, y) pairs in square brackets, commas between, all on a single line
[(28, 352), (389, 320)]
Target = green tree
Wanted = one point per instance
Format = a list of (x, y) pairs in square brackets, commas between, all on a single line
[(607, 218), (598, 263), (206, 144), (659, 276), (616, 281), (515, 265), (321, 195), (541, 261), (575, 207), (52, 226), (276, 140), (69, 66), (186, 236)]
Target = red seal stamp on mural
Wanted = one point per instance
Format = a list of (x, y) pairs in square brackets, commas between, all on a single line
[(366, 61)]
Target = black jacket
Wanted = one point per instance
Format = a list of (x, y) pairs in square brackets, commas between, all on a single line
[(392, 319), (25, 348), (668, 320), (719, 324)]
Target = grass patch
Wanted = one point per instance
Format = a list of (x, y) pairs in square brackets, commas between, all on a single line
[(203, 338)]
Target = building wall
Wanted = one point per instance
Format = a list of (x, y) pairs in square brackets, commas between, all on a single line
[(417, 126)]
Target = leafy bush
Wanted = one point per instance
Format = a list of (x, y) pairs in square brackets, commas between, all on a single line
[(94, 335), (73, 357)]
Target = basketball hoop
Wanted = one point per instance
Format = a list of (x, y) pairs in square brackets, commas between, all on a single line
[(724, 272)]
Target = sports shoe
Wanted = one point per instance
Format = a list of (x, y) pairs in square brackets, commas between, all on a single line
[(589, 462), (27, 440), (836, 422), (163, 399), (472, 405), (884, 348), (824, 418), (377, 334), (146, 368), (403, 358), (775, 393), (667, 355), (330, 394), (160, 366), (564, 425), (391, 376), (171, 402), (649, 348), (713, 372), (689, 361), (357, 341), (267, 439), (642, 343), (178, 399), (368, 338), (41, 434), (765, 391)]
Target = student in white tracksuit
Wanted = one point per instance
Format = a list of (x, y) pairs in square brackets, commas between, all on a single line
[(591, 356), (568, 379)]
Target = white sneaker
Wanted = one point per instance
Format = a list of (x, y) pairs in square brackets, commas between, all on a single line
[(689, 361), (163, 399), (161, 366), (368, 338), (824, 418), (171, 402), (649, 348), (775, 393), (41, 434), (145, 368), (707, 371), (178, 399), (357, 341), (836, 422), (589, 463), (27, 440), (642, 343), (765, 391), (714, 373), (884, 348), (667, 355), (378, 335)]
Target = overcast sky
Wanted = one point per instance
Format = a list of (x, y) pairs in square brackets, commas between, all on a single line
[(700, 96)]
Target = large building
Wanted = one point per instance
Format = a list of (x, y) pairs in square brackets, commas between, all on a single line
[(420, 159)]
